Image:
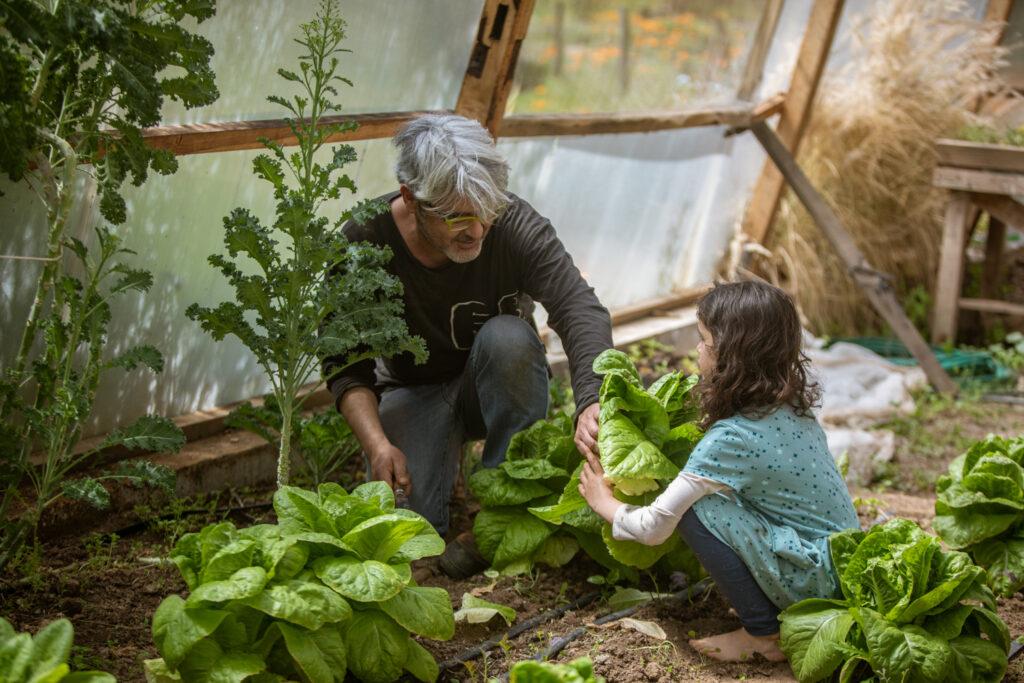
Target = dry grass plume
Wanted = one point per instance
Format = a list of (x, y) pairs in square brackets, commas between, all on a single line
[(915, 70)]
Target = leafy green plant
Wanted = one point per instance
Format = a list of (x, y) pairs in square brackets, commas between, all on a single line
[(1010, 351), (537, 466), (577, 671), (980, 509), (909, 612), (288, 313), (81, 78), (325, 591), (45, 657), (645, 438), (479, 611), (320, 443)]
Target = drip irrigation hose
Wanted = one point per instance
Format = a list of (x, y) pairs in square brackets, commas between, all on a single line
[(560, 643), (492, 643)]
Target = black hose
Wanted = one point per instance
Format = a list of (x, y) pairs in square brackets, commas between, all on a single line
[(561, 642), (476, 651)]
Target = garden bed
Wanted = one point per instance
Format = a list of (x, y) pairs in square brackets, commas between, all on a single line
[(109, 588)]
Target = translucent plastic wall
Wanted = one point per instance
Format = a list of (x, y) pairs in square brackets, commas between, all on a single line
[(642, 214)]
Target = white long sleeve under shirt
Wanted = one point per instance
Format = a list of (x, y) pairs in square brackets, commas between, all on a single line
[(653, 524)]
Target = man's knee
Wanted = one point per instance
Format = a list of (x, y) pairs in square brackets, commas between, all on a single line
[(509, 338)]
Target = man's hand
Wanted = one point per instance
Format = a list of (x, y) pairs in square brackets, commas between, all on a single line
[(388, 465), (586, 431), (597, 490)]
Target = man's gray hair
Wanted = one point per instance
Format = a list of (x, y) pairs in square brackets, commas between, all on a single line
[(448, 160)]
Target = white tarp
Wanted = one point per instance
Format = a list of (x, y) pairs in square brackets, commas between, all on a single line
[(860, 389)]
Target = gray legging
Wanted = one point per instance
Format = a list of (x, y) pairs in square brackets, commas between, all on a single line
[(757, 613), (503, 389)]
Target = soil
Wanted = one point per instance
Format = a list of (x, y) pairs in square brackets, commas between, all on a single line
[(110, 586)]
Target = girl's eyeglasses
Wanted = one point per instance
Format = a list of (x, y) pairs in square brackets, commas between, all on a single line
[(460, 222)]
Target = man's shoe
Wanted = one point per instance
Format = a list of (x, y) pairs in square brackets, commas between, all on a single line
[(461, 558)]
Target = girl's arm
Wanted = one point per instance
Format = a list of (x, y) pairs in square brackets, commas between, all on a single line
[(651, 524)]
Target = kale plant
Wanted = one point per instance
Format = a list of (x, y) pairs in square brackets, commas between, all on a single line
[(78, 80), (289, 313), (321, 443)]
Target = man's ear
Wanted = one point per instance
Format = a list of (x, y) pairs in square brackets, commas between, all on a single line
[(407, 196)]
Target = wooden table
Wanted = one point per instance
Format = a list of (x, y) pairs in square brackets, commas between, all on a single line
[(981, 178)]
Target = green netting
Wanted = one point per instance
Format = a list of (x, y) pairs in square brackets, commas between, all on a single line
[(968, 369)]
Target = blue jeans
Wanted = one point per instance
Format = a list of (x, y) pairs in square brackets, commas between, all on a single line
[(757, 613), (502, 390)]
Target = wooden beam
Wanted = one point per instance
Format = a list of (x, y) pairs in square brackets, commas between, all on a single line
[(979, 155), (754, 69), (1005, 209), (971, 180), (648, 307), (492, 63), (992, 306), (873, 284), (810, 64), (199, 138), (531, 125)]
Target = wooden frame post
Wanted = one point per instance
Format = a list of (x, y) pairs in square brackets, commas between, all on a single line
[(492, 64), (810, 64)]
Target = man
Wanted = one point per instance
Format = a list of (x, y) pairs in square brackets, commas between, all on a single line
[(472, 258)]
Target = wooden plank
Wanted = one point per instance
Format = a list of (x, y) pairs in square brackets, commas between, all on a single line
[(992, 306), (532, 125), (872, 283), (950, 276), (1006, 209), (810, 64), (200, 138), (492, 63), (979, 155), (647, 307), (240, 135), (753, 71), (971, 180)]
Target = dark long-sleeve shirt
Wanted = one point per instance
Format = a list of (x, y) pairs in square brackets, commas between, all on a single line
[(521, 261)]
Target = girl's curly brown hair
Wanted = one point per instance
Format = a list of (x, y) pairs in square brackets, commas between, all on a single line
[(759, 365)]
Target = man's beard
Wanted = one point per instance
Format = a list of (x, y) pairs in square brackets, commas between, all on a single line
[(449, 249)]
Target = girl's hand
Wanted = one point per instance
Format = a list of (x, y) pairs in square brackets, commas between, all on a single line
[(597, 490)]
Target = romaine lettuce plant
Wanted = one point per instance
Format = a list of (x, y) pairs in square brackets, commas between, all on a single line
[(645, 437), (909, 612), (325, 591), (577, 671), (980, 509), (537, 466), (44, 658)]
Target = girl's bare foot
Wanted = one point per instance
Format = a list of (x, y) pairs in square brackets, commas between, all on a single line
[(738, 646)]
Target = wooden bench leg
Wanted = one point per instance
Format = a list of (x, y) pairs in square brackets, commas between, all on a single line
[(951, 268)]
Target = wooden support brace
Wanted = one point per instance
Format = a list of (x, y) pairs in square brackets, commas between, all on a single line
[(874, 284)]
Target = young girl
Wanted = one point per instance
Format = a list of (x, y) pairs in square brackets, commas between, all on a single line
[(760, 494)]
